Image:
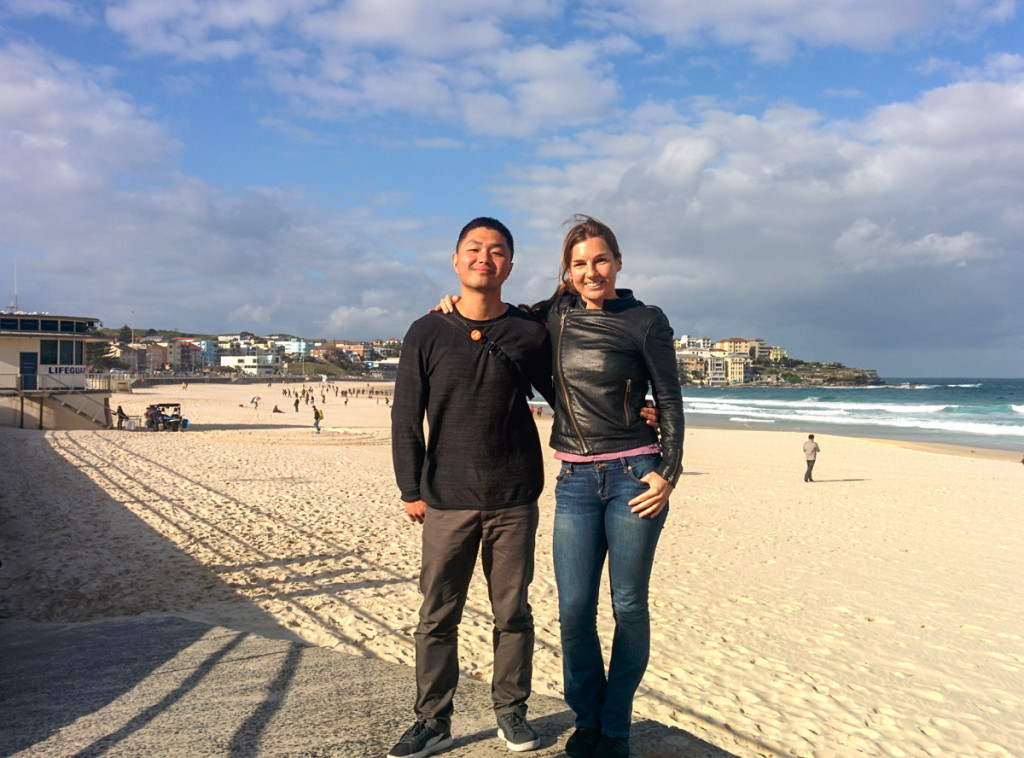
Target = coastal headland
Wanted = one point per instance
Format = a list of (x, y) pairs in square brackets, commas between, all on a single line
[(875, 612)]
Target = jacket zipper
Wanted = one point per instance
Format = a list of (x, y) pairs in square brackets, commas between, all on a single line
[(565, 390), (625, 401)]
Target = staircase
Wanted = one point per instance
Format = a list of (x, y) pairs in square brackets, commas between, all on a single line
[(95, 413)]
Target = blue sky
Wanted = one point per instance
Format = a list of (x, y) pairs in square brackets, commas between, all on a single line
[(845, 179)]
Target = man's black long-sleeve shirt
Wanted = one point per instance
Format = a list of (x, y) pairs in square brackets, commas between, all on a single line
[(481, 450)]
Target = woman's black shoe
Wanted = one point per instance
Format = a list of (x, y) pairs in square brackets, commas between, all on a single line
[(583, 743), (612, 747)]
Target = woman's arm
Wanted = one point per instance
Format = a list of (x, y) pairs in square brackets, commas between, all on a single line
[(447, 304), (660, 357)]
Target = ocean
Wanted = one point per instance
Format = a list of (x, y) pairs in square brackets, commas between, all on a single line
[(986, 413)]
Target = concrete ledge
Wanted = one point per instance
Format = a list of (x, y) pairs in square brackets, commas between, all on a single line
[(171, 687)]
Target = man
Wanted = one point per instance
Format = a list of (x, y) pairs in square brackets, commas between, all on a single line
[(811, 451), (473, 483)]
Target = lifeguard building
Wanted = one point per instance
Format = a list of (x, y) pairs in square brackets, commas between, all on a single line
[(44, 381)]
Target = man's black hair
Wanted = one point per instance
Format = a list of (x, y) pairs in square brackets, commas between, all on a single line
[(487, 222)]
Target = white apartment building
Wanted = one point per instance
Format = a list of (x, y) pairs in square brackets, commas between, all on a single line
[(296, 346), (253, 365), (693, 343), (718, 372)]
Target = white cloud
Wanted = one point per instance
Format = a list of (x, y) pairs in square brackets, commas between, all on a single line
[(419, 29), (442, 59), (968, 114), (103, 218), (292, 131), (742, 217), (847, 92), (999, 67), (199, 31), (186, 84), (410, 27), (439, 143), (63, 10), (568, 85), (65, 132), (775, 31), (257, 314), (347, 319), (866, 246)]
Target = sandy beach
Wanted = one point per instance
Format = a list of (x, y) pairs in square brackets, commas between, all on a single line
[(874, 612)]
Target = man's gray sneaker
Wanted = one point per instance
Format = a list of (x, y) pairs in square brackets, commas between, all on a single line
[(517, 733), (419, 741)]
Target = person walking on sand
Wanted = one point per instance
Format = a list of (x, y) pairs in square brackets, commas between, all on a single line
[(472, 483), (811, 451), (121, 418), (318, 416)]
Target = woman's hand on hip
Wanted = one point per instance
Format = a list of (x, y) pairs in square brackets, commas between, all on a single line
[(650, 503)]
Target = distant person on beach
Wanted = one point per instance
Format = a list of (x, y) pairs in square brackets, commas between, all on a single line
[(296, 404), (121, 418), (472, 483), (318, 416), (811, 451)]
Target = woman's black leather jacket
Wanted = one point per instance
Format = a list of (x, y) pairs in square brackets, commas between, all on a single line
[(604, 362)]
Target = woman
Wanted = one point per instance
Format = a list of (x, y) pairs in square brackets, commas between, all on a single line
[(615, 478)]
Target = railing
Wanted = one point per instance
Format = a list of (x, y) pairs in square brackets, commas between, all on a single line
[(15, 383), (54, 387)]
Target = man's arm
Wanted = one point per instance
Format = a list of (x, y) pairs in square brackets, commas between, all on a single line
[(408, 447), (541, 373)]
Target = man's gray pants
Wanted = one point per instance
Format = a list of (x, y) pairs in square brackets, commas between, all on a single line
[(505, 539)]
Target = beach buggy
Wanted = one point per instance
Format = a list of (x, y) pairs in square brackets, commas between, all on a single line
[(165, 417)]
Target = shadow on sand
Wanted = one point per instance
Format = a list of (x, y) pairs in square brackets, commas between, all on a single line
[(99, 667)]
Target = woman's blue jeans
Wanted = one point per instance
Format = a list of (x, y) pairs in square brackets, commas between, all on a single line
[(592, 520)]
